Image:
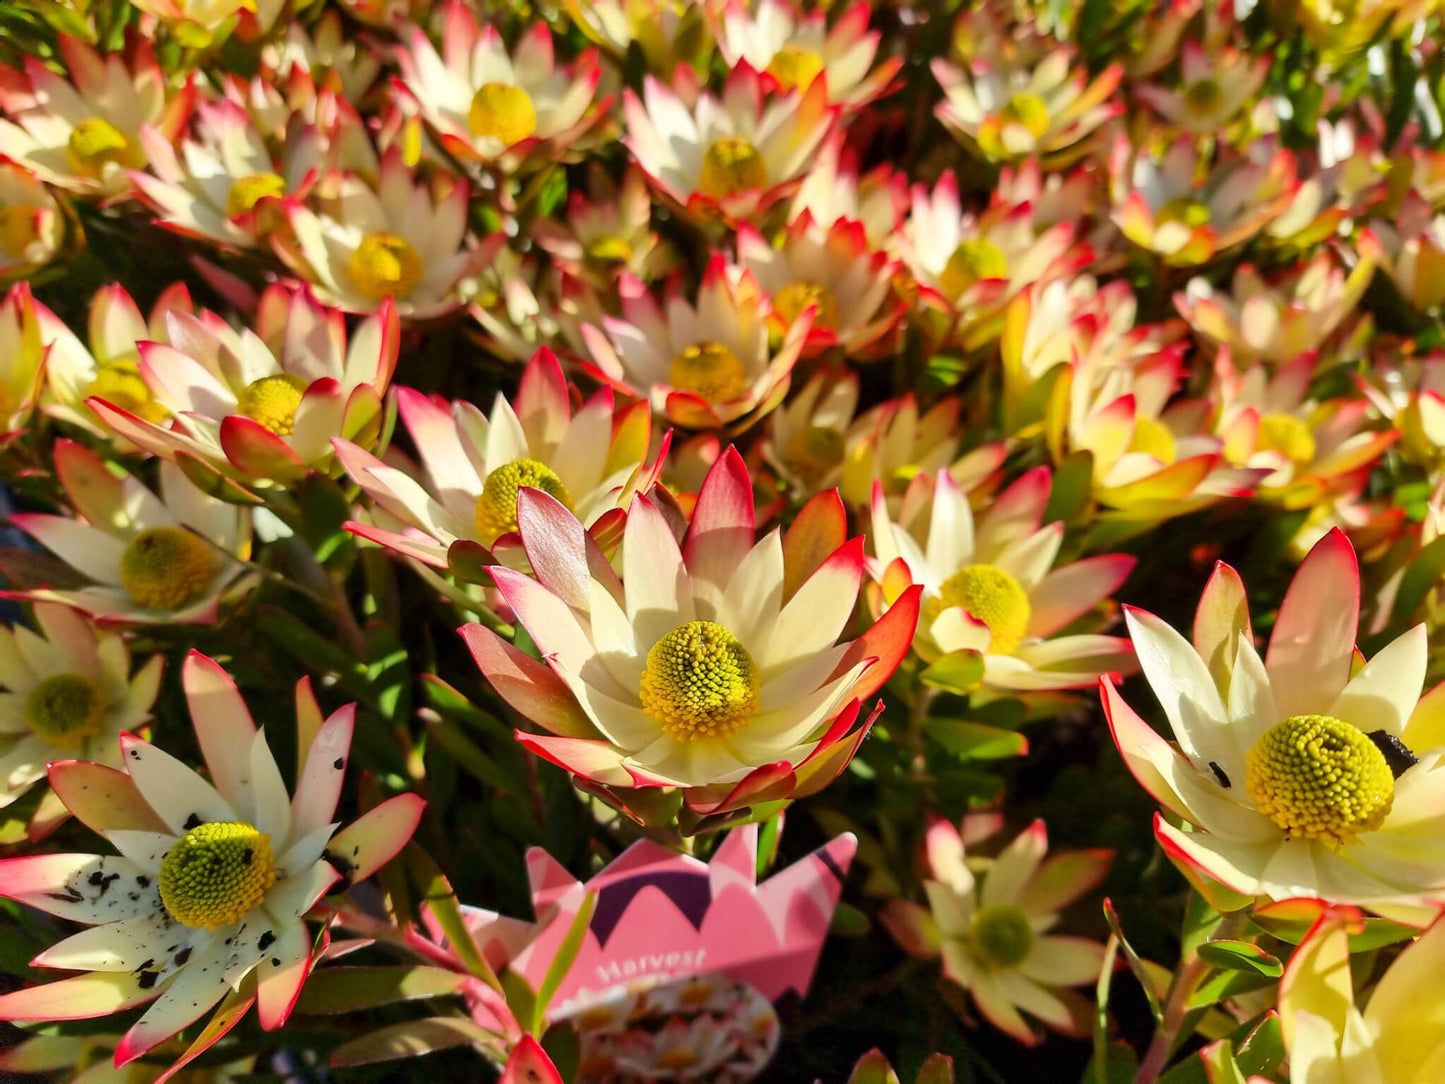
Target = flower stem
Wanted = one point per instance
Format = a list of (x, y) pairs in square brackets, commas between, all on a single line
[(1176, 1006)]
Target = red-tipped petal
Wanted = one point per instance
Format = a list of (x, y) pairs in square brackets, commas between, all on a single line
[(373, 839), (102, 798), (527, 684), (257, 452)]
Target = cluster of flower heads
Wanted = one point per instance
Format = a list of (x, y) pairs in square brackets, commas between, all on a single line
[(823, 351)]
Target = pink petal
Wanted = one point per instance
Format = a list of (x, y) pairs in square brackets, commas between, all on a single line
[(223, 725), (1314, 636), (1067, 592), (257, 452), (102, 798), (372, 840), (281, 975), (319, 787), (527, 684), (529, 1064), (588, 758), (1223, 613), (888, 640), (722, 522), (78, 998)]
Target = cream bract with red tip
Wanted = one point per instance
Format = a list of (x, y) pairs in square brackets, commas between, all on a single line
[(459, 491), (261, 404), (694, 668), (150, 558), (990, 586), (992, 930), (163, 929), (1263, 822)]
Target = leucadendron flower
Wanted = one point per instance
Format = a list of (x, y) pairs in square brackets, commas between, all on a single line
[(261, 403), (716, 664), (990, 585), (209, 891), (68, 692), (1395, 1039), (1302, 774), (992, 931), (474, 465), (150, 559)]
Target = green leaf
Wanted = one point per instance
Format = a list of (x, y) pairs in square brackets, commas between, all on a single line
[(1422, 574), (956, 672), (936, 1069), (873, 1068), (975, 741), (388, 669), (1116, 1064), (1136, 963), (350, 989), (1073, 481), (1261, 1051), (1214, 1064), (564, 1046), (1240, 956), (437, 891), (411, 1040), (468, 755), (562, 962), (849, 921)]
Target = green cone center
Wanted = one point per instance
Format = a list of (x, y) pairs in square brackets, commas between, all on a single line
[(1320, 778), (217, 872), (65, 709), (700, 682)]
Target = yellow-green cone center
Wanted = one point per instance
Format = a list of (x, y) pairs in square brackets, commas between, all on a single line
[(1152, 437), (710, 371), (972, 262), (496, 510), (1001, 934), (502, 111), (1185, 210), (610, 250), (731, 165), (1028, 110), (700, 682), (167, 568), (65, 709), (246, 192), (815, 450), (272, 401), (95, 142), (1288, 436), (1321, 778), (1203, 99), (795, 68), (992, 596), (792, 299), (119, 383), (384, 264), (19, 229), (217, 872)]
